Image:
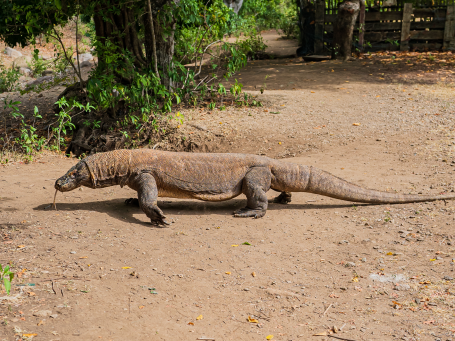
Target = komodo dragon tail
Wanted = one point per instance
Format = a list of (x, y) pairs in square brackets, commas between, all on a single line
[(324, 183)]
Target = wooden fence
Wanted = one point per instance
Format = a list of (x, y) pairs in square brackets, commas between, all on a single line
[(401, 26)]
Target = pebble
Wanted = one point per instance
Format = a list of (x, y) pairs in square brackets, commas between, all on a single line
[(42, 313), (73, 252), (417, 301), (350, 265), (364, 259), (343, 242), (448, 278), (402, 287)]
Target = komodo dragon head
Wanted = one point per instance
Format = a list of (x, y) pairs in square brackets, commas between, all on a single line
[(78, 175)]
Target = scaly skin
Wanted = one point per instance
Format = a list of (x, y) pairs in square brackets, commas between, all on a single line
[(215, 177)]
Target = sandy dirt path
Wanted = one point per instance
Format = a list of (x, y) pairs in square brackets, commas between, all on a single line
[(96, 270)]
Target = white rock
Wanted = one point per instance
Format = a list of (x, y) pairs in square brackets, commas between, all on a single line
[(84, 57), (25, 71), (22, 62), (12, 52), (85, 63), (42, 313)]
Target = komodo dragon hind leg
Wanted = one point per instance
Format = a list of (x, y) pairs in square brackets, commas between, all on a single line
[(255, 185), (147, 193), (283, 198)]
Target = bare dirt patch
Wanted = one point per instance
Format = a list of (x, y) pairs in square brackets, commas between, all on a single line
[(95, 269)]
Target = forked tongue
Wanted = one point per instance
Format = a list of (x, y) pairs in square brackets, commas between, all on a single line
[(55, 195)]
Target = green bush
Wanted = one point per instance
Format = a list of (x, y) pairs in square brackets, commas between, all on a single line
[(9, 79)]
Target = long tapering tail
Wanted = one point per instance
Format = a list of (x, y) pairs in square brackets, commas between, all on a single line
[(324, 183)]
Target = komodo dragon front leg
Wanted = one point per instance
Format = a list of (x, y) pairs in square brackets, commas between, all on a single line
[(147, 193), (255, 185)]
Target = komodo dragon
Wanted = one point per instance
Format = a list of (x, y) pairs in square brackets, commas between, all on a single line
[(215, 177)]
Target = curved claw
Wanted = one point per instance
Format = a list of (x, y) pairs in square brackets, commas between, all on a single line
[(160, 222), (248, 212)]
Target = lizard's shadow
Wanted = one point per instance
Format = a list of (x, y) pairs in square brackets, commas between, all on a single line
[(116, 208)]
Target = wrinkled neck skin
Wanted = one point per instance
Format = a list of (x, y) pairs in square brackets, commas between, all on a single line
[(77, 176)]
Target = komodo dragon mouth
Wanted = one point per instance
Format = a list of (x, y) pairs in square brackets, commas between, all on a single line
[(216, 177), (76, 176)]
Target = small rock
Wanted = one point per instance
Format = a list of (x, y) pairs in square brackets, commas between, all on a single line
[(38, 81), (417, 301), (343, 242), (23, 61), (438, 258), (12, 52), (350, 264), (375, 247), (364, 259), (432, 304), (25, 71), (42, 313), (73, 252), (246, 289), (402, 287), (85, 63), (84, 57), (54, 316), (448, 278)]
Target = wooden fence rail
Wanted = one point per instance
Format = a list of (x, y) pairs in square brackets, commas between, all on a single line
[(401, 28)]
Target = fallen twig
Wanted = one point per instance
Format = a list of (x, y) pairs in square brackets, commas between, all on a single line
[(340, 338), (55, 293), (327, 309)]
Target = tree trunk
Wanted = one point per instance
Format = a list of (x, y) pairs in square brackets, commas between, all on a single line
[(307, 27), (343, 29), (120, 29), (165, 51)]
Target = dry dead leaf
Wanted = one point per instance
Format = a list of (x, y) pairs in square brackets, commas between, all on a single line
[(227, 272), (356, 124), (126, 267), (253, 274), (200, 317), (321, 334), (269, 337), (251, 320)]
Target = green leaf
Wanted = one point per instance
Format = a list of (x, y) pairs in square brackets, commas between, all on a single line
[(7, 284), (246, 243), (58, 4)]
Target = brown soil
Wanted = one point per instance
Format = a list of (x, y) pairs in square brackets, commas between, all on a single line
[(377, 272)]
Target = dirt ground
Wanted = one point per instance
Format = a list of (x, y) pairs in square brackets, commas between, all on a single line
[(97, 270)]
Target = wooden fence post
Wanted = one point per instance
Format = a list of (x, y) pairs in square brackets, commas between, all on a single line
[(449, 29), (362, 25), (406, 27), (319, 26)]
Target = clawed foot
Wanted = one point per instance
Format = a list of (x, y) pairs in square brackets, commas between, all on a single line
[(132, 202), (160, 222), (248, 212), (283, 198)]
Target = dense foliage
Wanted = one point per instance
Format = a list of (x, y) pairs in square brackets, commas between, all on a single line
[(149, 56)]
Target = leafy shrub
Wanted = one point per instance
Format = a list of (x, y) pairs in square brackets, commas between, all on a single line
[(9, 79)]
